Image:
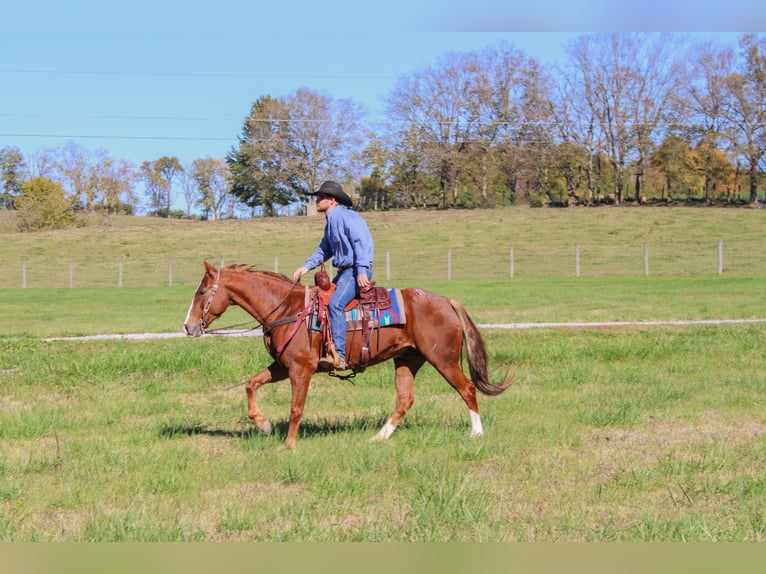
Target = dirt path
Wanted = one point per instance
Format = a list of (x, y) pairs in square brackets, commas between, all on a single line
[(571, 325)]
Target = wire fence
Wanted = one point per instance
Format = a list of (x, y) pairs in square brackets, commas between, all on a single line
[(442, 263)]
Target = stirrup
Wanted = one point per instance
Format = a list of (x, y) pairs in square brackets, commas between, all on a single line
[(327, 362)]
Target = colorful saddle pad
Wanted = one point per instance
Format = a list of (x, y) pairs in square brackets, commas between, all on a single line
[(394, 315)]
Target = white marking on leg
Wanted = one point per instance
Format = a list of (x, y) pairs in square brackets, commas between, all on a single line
[(386, 432), (476, 428)]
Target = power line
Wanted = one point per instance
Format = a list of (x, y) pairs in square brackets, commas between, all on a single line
[(195, 74), (112, 137), (119, 117)]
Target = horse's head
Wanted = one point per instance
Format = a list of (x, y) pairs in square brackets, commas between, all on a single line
[(209, 303)]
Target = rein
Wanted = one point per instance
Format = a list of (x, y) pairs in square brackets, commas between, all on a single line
[(266, 328)]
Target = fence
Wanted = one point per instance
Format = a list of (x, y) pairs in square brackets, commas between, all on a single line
[(447, 263)]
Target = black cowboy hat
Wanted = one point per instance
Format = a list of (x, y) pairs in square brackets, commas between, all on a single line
[(334, 190)]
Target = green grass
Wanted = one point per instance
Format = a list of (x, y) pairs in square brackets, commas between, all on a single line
[(620, 434), (651, 434), (88, 311), (411, 246)]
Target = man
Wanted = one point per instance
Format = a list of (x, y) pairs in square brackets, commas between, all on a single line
[(347, 240)]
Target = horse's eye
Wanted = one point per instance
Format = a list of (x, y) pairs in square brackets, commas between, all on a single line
[(201, 292)]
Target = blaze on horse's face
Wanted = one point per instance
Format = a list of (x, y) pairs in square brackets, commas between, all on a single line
[(208, 303)]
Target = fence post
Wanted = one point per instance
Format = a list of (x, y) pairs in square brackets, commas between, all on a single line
[(71, 275), (577, 259), (276, 264), (512, 262), (449, 264), (646, 259), (170, 273), (720, 256)]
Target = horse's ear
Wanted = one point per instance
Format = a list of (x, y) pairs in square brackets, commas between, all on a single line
[(209, 268)]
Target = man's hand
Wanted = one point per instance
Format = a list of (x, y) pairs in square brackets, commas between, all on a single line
[(362, 280), (300, 272)]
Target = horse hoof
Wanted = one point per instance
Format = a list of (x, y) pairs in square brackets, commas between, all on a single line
[(265, 427)]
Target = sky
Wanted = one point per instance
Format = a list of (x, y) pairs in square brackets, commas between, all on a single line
[(143, 79)]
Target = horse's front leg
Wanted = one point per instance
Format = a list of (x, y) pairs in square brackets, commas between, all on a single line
[(271, 374), (300, 378)]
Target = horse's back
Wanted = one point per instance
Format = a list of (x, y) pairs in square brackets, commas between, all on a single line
[(428, 307)]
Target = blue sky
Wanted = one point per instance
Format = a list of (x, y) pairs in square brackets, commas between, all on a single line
[(144, 79)]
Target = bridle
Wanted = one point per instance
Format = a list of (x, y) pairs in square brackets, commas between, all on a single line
[(214, 289), (206, 308)]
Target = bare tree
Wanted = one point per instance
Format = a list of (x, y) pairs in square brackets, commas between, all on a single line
[(746, 108), (471, 114), (325, 138), (158, 178), (605, 65), (113, 183), (702, 102), (432, 104), (657, 75)]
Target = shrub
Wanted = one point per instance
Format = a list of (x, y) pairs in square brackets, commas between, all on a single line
[(41, 205)]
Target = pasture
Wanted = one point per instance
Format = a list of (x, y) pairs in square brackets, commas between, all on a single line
[(642, 433)]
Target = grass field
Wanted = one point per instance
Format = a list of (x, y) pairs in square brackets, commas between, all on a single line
[(410, 246), (653, 434), (630, 434)]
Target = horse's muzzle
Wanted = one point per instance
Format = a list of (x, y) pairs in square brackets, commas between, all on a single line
[(195, 330)]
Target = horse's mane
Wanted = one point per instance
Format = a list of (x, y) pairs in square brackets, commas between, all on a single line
[(246, 268)]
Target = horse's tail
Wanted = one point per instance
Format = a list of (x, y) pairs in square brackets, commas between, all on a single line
[(477, 354)]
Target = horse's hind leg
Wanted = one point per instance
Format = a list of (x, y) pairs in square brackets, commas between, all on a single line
[(465, 388), (273, 373), (406, 369)]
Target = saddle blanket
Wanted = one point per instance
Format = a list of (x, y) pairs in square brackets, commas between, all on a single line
[(394, 315)]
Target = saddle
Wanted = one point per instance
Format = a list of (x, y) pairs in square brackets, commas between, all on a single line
[(371, 301)]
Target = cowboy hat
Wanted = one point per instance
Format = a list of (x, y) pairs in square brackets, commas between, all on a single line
[(334, 190)]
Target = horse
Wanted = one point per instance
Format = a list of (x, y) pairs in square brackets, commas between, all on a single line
[(436, 330)]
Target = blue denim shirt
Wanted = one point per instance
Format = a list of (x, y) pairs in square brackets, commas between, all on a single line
[(347, 240)]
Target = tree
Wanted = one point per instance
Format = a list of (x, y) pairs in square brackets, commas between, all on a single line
[(509, 110), (746, 108), (374, 192), (432, 104), (290, 145), (73, 165), (212, 178), (472, 116), (409, 177), (13, 170), (577, 123), (658, 74), (703, 101), (260, 170), (605, 65), (113, 182), (158, 178), (678, 163), (41, 205), (325, 138)]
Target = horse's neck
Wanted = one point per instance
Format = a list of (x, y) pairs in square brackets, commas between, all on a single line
[(262, 296)]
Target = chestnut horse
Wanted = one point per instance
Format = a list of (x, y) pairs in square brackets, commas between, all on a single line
[(436, 329)]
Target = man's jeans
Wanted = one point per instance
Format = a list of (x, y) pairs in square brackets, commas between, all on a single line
[(346, 288)]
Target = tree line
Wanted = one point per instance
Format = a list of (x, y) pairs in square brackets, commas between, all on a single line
[(626, 117)]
